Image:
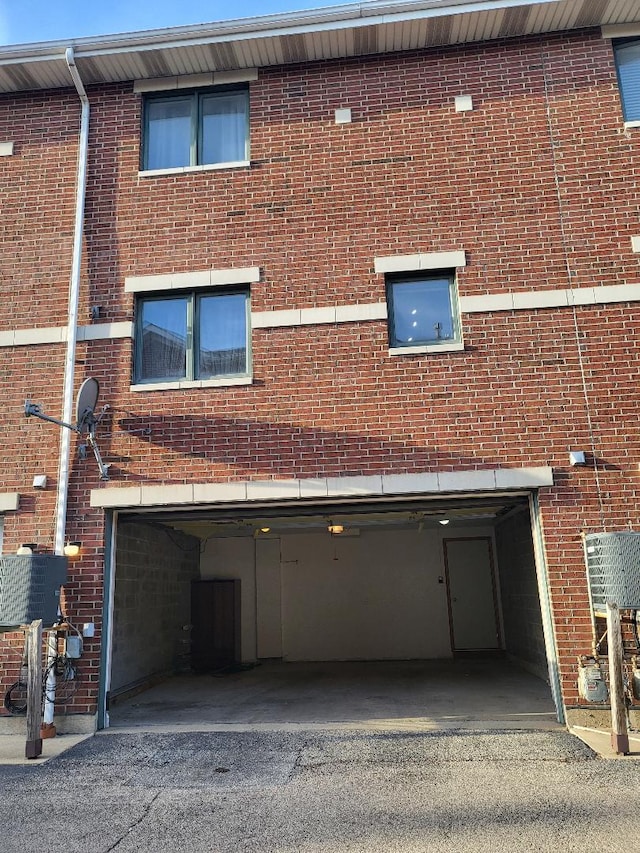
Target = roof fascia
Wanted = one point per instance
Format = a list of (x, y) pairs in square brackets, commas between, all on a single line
[(324, 19)]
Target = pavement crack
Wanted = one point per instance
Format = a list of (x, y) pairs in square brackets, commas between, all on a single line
[(298, 759), (136, 823)]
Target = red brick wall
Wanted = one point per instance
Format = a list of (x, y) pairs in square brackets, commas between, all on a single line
[(538, 180)]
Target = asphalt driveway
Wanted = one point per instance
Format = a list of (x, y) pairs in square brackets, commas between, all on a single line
[(322, 791)]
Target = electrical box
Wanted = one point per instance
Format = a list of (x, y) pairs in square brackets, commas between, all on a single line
[(591, 683), (73, 646), (30, 588), (613, 569)]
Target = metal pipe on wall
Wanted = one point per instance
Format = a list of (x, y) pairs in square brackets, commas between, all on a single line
[(69, 371)]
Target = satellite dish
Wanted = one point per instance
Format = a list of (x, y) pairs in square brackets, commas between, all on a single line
[(86, 404), (86, 420)]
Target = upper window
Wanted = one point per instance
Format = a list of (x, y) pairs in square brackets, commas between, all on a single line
[(196, 128), (422, 310), (192, 336), (627, 53)]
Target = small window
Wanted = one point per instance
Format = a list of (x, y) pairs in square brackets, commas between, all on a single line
[(192, 336), (196, 129), (627, 54), (422, 311)]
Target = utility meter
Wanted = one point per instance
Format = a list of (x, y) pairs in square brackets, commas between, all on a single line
[(591, 683)]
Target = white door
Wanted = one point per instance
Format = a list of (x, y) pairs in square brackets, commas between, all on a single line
[(472, 594)]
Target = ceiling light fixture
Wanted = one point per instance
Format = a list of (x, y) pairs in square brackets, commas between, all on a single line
[(444, 520)]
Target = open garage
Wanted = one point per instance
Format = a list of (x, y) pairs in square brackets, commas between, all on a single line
[(419, 606)]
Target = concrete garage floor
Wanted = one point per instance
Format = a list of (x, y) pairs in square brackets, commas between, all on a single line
[(385, 695)]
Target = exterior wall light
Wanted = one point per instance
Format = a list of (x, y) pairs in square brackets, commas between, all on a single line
[(72, 549), (444, 520), (335, 529)]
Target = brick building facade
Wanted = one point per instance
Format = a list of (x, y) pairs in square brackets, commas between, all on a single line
[(483, 164)]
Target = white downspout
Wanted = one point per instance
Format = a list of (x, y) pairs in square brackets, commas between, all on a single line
[(69, 371)]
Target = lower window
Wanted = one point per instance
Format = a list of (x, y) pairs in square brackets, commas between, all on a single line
[(192, 336), (422, 310)]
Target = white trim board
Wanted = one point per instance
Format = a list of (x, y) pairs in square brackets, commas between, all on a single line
[(379, 485)]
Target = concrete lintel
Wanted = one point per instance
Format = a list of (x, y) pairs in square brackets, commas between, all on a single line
[(361, 312), (179, 493), (367, 485), (214, 492), (486, 302), (192, 278), (610, 293), (524, 478), (105, 331), (193, 81), (467, 481), (317, 316), (422, 482), (314, 488), (48, 335), (399, 484), (276, 319), (272, 489), (540, 299), (420, 261), (116, 496)]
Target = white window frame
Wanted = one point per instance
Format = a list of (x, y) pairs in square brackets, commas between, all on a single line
[(425, 265), (196, 98), (431, 344), (631, 114), (190, 378)]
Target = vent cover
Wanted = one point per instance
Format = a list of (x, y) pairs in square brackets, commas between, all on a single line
[(613, 569), (30, 588)]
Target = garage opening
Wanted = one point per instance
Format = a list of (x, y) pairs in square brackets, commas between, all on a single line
[(406, 609)]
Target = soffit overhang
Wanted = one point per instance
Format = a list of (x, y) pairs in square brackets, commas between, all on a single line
[(356, 29)]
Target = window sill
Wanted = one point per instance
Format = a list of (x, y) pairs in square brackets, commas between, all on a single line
[(187, 384), (453, 346), (629, 124), (207, 167)]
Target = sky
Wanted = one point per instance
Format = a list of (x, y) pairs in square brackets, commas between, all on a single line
[(27, 21)]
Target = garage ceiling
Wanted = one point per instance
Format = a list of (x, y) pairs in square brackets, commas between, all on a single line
[(248, 522)]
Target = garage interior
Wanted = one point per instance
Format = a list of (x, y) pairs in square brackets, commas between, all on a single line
[(344, 611)]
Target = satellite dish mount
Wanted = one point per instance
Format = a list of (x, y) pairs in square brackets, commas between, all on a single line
[(86, 420)]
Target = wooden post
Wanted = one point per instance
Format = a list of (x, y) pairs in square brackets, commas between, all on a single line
[(619, 722), (34, 690)]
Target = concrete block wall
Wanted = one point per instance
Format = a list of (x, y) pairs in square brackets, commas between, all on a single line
[(537, 185), (152, 602), (521, 614)]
